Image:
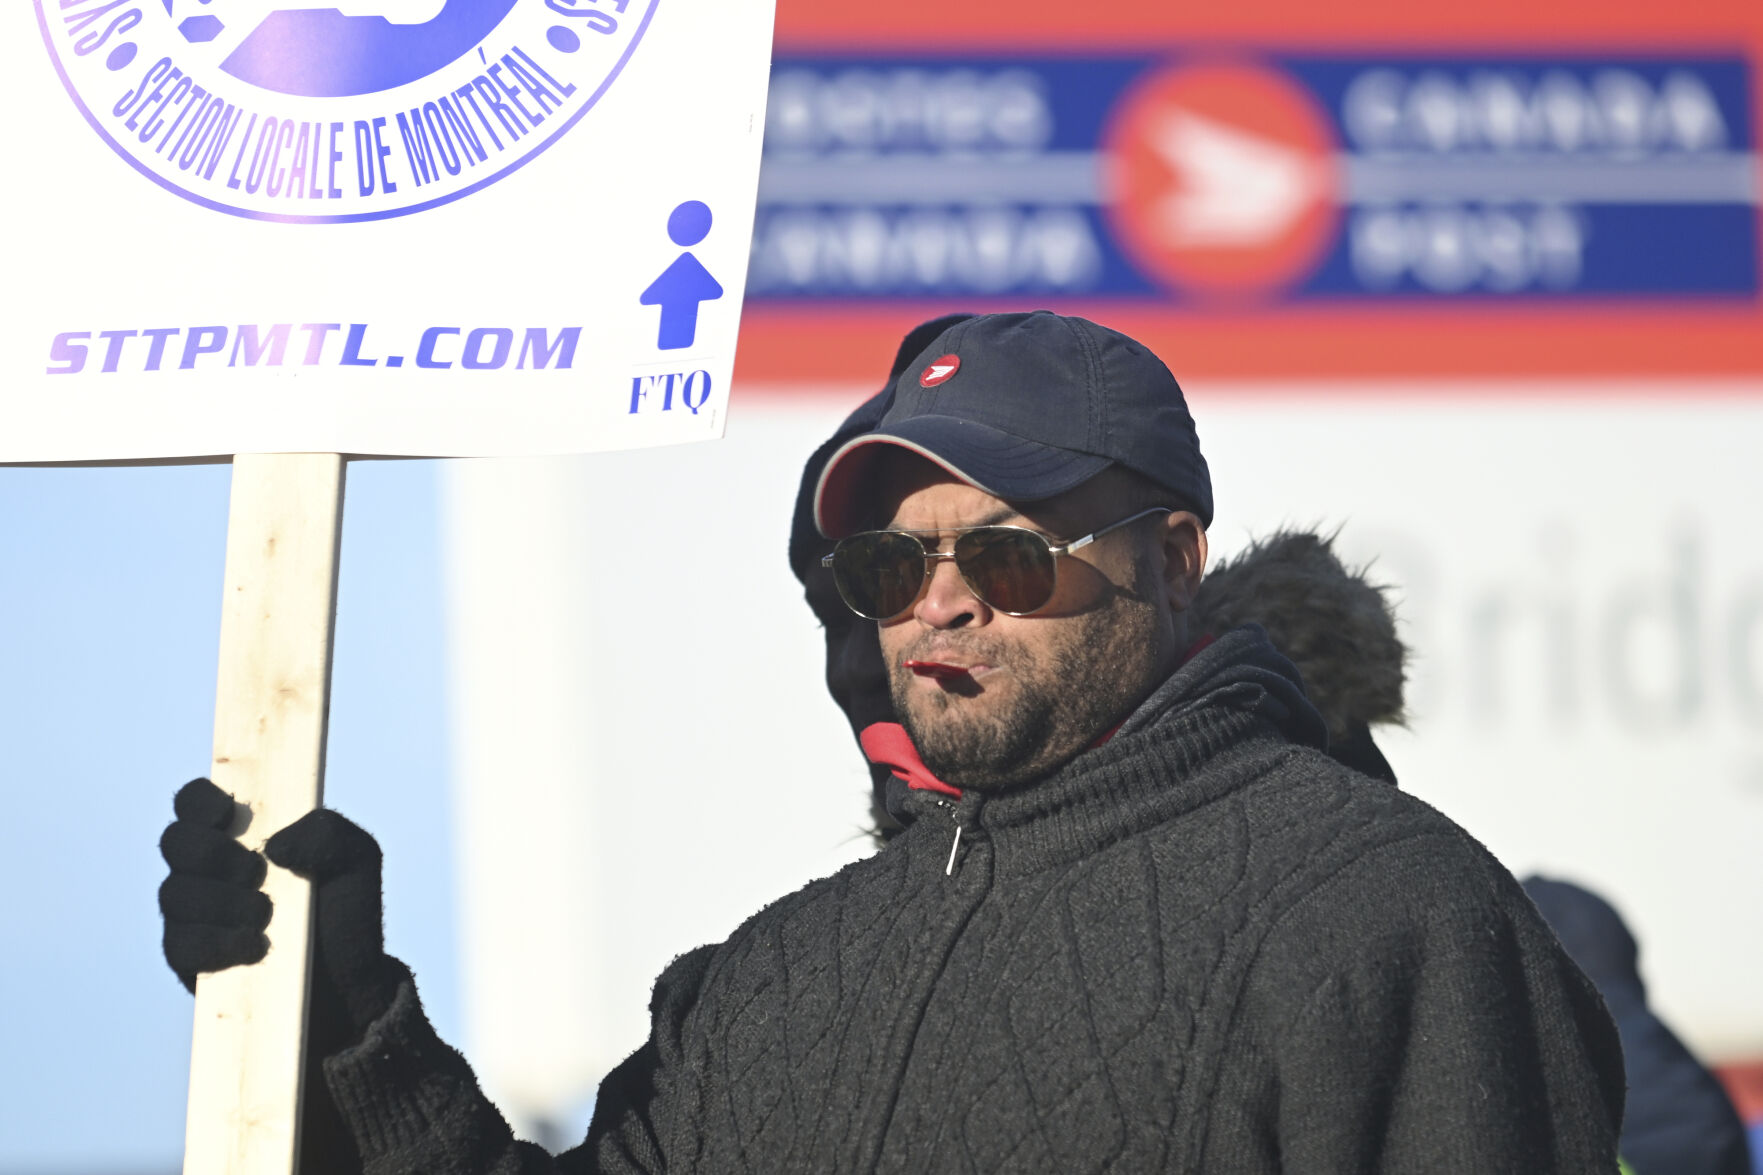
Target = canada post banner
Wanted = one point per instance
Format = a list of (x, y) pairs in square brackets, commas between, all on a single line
[(1201, 179), (446, 227)]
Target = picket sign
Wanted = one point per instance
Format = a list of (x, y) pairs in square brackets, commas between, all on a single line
[(297, 179), (271, 705)]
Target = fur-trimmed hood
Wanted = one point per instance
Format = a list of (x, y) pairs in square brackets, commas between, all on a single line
[(1336, 625)]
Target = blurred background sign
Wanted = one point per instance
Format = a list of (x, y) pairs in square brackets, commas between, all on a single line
[(1208, 178), (1396, 189)]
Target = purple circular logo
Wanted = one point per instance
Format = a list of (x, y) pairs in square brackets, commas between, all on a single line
[(329, 111)]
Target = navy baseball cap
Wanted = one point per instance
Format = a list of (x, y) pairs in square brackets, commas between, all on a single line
[(1026, 407)]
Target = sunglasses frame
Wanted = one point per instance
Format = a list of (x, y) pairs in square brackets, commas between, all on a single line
[(1054, 550)]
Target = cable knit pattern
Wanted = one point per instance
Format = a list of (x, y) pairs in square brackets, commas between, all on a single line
[(1203, 947)]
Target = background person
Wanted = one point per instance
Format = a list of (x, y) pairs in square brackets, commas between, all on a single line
[(1679, 1120)]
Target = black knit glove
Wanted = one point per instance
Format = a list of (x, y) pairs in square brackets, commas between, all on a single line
[(343, 863), (216, 912)]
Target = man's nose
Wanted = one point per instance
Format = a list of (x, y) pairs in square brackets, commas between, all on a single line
[(947, 601)]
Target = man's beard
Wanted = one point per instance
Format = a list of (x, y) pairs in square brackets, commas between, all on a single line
[(1066, 697)]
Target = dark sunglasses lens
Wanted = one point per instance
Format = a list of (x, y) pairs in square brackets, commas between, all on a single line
[(879, 573), (1012, 570)]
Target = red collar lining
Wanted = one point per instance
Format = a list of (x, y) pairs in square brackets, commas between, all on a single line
[(888, 743)]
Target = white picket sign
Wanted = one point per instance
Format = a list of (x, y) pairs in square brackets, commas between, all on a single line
[(290, 232)]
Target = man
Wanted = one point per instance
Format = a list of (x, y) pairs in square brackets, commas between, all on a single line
[(1137, 919)]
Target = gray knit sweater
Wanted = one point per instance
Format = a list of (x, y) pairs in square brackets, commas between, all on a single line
[(1201, 947)]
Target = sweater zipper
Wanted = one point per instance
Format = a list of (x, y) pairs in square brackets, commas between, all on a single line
[(955, 847)]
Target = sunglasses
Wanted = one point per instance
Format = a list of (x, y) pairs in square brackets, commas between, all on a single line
[(1010, 569)]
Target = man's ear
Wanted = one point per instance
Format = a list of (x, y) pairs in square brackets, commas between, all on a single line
[(1184, 558)]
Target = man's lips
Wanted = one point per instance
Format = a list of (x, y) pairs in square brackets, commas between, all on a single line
[(945, 670)]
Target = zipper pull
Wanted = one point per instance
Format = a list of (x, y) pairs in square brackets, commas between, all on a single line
[(949, 871)]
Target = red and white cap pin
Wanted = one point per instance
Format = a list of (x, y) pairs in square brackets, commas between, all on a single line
[(939, 371)]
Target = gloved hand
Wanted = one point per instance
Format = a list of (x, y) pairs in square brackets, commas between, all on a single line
[(216, 912), (349, 945)]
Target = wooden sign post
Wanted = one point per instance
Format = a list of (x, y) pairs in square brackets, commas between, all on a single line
[(271, 706)]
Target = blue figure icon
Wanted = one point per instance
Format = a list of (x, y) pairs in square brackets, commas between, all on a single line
[(686, 282)]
